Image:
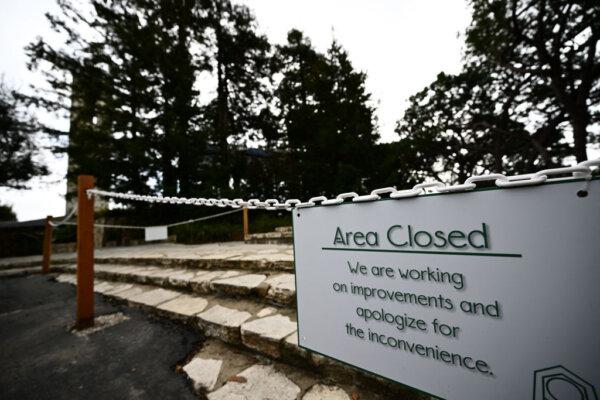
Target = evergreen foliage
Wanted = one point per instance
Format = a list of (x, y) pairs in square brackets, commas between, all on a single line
[(7, 213), (188, 98), (329, 125), (18, 150), (130, 75), (530, 82)]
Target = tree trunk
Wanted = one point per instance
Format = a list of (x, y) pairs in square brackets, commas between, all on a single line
[(222, 111), (579, 123), (169, 178)]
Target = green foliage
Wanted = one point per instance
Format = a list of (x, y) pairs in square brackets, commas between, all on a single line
[(64, 234), (7, 213), (129, 75), (467, 123), (229, 229), (20, 242), (240, 59), (18, 150), (530, 81), (328, 125), (551, 46), (225, 228)]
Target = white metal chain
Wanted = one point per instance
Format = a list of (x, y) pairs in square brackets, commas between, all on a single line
[(187, 221), (65, 220), (190, 221), (582, 170)]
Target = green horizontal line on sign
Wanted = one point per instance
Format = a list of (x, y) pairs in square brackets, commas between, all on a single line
[(446, 253)]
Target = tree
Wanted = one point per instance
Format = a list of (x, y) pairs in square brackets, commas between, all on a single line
[(511, 109), (148, 105), (7, 213), (180, 25), (551, 43), (327, 120), (126, 76), (18, 150), (129, 76), (240, 59), (84, 80), (472, 123)]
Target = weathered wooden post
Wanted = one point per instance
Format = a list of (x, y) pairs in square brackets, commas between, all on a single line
[(85, 252), (47, 245), (246, 229)]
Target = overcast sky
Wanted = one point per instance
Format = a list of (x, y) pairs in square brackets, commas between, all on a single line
[(401, 45)]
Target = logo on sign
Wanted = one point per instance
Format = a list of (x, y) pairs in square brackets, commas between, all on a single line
[(558, 383)]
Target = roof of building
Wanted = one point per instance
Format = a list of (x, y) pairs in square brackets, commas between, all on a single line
[(34, 223)]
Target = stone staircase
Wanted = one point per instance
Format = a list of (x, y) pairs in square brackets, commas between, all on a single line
[(281, 235), (242, 299)]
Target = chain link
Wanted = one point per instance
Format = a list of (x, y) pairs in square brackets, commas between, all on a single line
[(187, 221), (65, 220), (581, 170)]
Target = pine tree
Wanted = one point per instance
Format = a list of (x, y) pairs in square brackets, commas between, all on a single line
[(129, 74), (18, 150), (329, 125), (7, 213), (129, 89), (239, 57)]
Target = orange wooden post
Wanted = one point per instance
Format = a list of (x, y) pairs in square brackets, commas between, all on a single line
[(47, 248), (246, 229), (85, 252)]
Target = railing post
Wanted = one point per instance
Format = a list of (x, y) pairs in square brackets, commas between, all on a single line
[(47, 246), (245, 218), (85, 252)]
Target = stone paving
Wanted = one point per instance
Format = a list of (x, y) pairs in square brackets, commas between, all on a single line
[(282, 235), (274, 287), (217, 255), (269, 331), (259, 382), (267, 334), (241, 297)]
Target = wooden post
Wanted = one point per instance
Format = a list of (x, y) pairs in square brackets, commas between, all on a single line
[(47, 248), (85, 252), (246, 229)]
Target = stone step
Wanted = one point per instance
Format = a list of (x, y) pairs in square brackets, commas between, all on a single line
[(281, 235), (237, 321), (282, 240), (14, 272), (231, 255), (274, 287), (223, 372), (250, 263), (277, 237), (284, 229), (270, 235), (269, 332)]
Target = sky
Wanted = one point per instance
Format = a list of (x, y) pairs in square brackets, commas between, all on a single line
[(400, 44)]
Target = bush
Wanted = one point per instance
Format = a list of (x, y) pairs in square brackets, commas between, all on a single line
[(220, 229), (229, 227), (7, 213)]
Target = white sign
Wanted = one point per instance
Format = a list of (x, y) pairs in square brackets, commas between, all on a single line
[(153, 233), (492, 294)]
